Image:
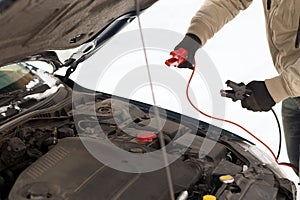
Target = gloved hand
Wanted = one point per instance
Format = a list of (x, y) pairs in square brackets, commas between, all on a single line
[(191, 43), (260, 98)]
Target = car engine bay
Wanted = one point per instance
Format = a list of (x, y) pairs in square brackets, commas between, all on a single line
[(43, 155)]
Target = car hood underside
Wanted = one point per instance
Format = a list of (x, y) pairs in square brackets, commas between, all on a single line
[(30, 27)]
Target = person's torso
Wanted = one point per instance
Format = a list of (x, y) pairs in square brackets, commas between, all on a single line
[(283, 30)]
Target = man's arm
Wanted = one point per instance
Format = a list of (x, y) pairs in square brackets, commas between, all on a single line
[(287, 84), (213, 15)]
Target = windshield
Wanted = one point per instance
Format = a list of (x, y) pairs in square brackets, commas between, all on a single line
[(14, 77), (22, 86)]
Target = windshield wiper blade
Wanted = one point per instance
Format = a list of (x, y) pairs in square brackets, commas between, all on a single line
[(12, 94)]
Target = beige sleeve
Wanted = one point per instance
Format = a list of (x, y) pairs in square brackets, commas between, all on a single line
[(287, 84), (213, 15)]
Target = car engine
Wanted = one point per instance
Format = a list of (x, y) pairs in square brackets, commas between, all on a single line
[(44, 154)]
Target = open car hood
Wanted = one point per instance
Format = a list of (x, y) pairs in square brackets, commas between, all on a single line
[(32, 27)]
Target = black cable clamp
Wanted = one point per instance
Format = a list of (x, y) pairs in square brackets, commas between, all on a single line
[(238, 92)]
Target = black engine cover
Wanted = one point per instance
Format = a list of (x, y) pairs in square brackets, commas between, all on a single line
[(69, 171)]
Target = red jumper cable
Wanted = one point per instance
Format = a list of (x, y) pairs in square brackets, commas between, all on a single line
[(178, 57)]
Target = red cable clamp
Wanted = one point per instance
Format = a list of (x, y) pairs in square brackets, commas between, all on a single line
[(178, 57)]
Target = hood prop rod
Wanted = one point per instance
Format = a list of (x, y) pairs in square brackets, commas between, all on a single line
[(156, 111)]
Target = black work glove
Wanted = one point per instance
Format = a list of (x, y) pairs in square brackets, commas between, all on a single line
[(260, 98), (191, 43)]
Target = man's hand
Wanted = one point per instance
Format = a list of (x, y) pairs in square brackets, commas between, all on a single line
[(260, 98), (191, 43)]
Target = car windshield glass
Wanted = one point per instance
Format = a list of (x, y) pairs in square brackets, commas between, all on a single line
[(25, 76), (14, 77)]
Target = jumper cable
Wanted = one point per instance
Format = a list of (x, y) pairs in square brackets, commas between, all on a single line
[(175, 62)]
